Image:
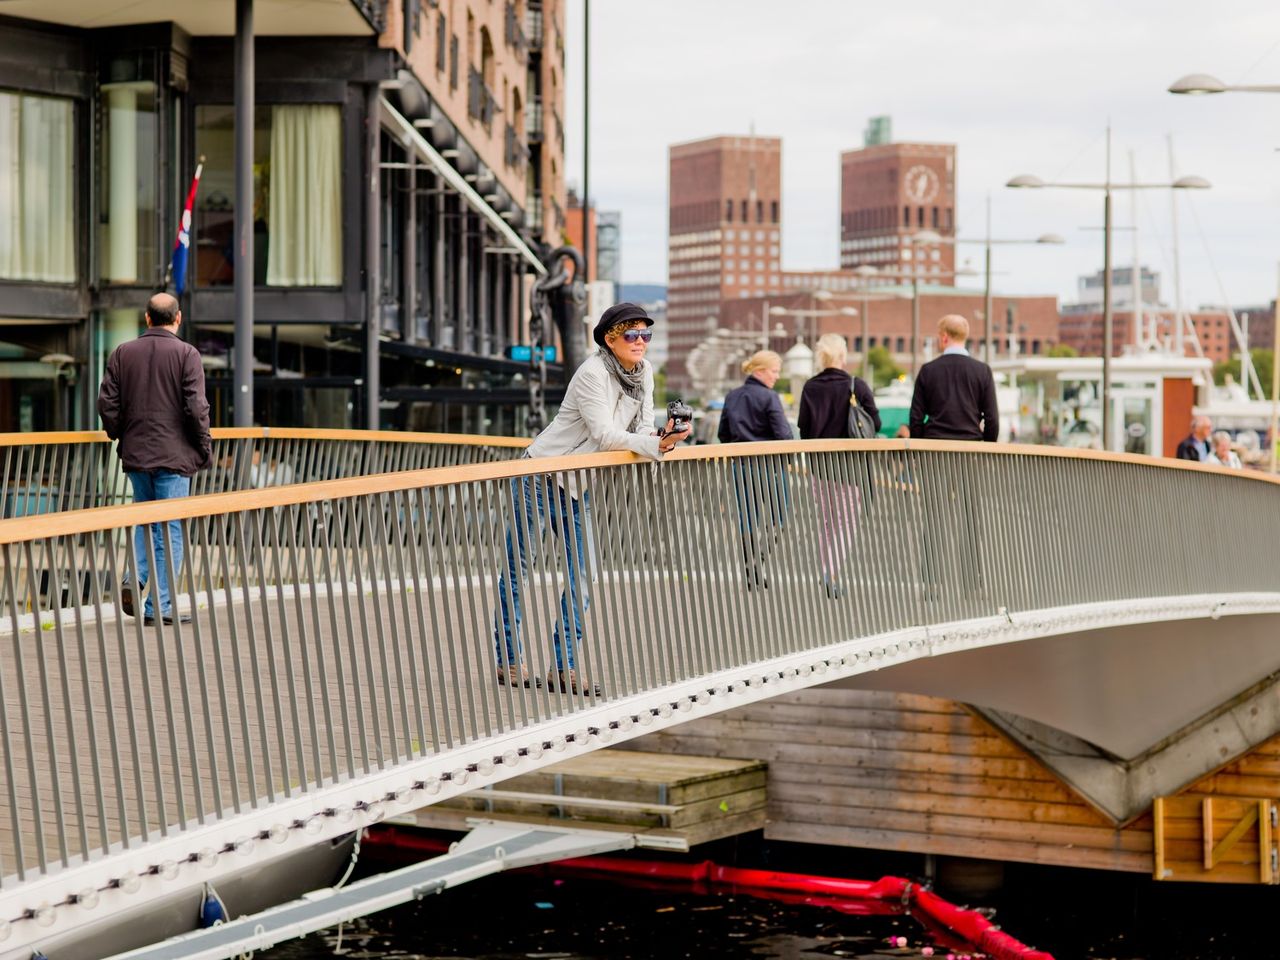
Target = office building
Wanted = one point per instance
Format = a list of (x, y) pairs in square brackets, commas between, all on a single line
[(389, 276), (724, 234)]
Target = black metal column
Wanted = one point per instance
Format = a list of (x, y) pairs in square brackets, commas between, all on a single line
[(372, 259), (242, 257), (586, 141)]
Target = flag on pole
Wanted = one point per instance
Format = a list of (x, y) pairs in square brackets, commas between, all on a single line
[(182, 246)]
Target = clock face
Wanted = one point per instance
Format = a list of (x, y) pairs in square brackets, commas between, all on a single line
[(920, 185)]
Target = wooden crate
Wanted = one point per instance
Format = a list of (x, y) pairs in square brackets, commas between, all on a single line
[(1215, 839)]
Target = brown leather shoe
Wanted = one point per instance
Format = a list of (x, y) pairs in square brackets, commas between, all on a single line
[(568, 681), (525, 680), (126, 598)]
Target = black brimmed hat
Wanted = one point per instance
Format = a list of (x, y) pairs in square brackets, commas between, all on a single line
[(619, 313)]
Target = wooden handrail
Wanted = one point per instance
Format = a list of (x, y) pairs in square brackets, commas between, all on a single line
[(73, 522), (279, 433)]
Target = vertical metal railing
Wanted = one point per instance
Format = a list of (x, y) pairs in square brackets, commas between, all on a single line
[(48, 473), (338, 629)]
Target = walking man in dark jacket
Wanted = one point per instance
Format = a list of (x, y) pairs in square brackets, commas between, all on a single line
[(955, 395), (152, 401), (954, 399)]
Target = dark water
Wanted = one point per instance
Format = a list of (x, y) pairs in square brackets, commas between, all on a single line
[(537, 917), (1070, 913)]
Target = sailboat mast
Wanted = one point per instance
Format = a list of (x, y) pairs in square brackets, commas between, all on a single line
[(1179, 347), (1135, 274)]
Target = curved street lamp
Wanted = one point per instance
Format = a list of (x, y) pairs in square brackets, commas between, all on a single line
[(1029, 181), (1194, 84)]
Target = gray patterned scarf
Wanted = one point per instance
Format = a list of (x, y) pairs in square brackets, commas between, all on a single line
[(631, 381)]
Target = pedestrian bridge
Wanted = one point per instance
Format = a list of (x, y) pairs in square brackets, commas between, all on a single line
[(1116, 614)]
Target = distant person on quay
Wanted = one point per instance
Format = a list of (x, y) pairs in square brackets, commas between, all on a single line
[(955, 395), (1222, 453), (824, 414), (608, 405), (1197, 446), (152, 401)]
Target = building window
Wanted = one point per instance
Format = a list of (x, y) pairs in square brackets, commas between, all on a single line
[(948, 220), (901, 345), (453, 62), (442, 43), (906, 216), (759, 211), (934, 218), (920, 216), (37, 192), (129, 243), (728, 211), (297, 212), (773, 211), (744, 212)]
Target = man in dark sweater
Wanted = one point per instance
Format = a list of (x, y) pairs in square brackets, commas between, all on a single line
[(955, 395)]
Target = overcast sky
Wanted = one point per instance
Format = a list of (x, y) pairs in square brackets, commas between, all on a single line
[(1019, 87)]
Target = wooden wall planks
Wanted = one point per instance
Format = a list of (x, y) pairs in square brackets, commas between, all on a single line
[(909, 773)]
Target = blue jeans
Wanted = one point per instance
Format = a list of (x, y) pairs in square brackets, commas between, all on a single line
[(158, 485), (528, 502)]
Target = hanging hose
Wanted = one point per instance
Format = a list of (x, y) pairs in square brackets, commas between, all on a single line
[(351, 865)]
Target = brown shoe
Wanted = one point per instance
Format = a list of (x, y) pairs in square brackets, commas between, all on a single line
[(568, 681), (126, 598), (525, 680)]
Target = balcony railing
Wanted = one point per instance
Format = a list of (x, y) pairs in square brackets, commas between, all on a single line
[(533, 26), (533, 213), (533, 119)]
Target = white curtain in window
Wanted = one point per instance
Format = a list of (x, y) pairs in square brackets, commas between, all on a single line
[(37, 198), (305, 218)]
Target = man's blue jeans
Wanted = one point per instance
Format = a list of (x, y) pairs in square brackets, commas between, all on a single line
[(529, 498), (158, 485)]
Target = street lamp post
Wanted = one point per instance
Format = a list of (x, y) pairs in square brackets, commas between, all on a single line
[(1029, 181), (1194, 84), (929, 236)]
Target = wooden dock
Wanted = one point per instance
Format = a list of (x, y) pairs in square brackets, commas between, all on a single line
[(672, 800)]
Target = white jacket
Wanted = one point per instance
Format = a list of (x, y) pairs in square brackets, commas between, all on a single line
[(595, 416)]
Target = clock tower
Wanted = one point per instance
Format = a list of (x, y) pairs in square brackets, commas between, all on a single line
[(890, 191)]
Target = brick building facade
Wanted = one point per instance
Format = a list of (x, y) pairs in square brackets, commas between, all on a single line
[(888, 193), (724, 234), (1083, 331)]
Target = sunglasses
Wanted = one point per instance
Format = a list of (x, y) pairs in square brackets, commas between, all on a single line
[(634, 334)]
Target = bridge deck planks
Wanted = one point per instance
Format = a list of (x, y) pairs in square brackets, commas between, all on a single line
[(368, 688)]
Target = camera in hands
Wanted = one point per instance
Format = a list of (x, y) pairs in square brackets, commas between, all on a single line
[(681, 416)]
